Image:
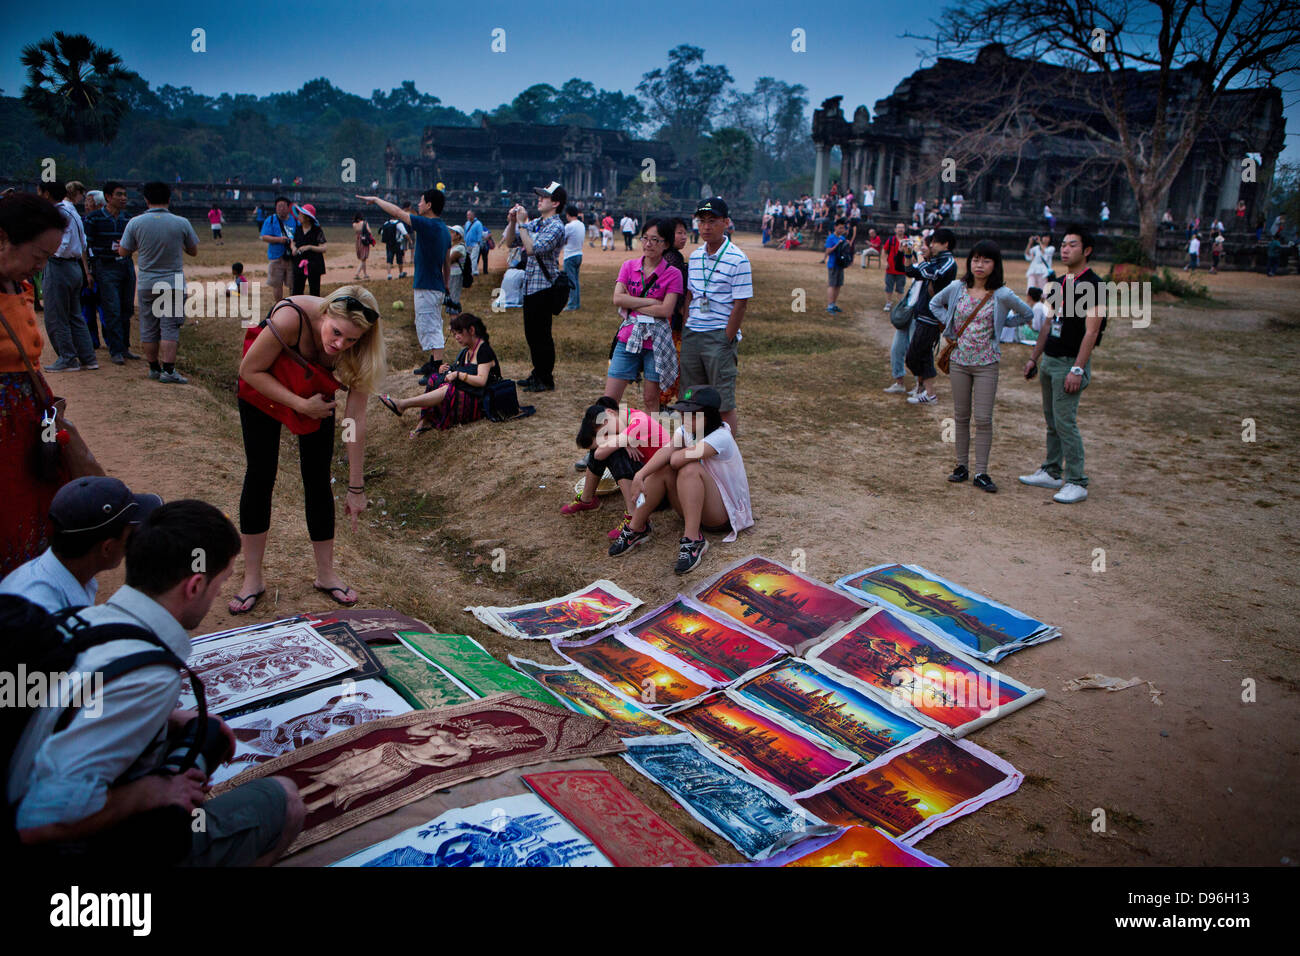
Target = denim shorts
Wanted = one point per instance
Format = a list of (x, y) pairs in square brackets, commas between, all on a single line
[(625, 365), (895, 283)]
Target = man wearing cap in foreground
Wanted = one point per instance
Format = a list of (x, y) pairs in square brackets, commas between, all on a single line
[(543, 239), (93, 519), (718, 289)]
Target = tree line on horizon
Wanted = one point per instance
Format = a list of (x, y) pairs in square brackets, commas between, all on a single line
[(81, 97)]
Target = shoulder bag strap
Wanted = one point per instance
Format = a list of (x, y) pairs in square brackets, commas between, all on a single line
[(971, 318), (293, 353), (38, 385)]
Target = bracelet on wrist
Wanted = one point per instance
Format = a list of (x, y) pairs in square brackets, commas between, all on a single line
[(356, 489)]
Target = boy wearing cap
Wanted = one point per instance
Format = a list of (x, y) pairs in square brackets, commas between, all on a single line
[(93, 519), (432, 270), (543, 240), (718, 289)]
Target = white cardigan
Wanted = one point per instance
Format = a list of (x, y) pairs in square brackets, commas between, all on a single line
[(1008, 309)]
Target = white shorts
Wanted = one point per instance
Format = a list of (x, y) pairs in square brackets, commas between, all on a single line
[(428, 319)]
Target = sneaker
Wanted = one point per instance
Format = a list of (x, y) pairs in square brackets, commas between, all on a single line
[(128, 354), (984, 483), (689, 554), (577, 504), (425, 370), (64, 365), (959, 474), (886, 307), (1070, 494), (91, 366), (173, 378), (925, 398), (914, 391), (117, 359), (1041, 479), (615, 532), (896, 389), (155, 374), (627, 540)]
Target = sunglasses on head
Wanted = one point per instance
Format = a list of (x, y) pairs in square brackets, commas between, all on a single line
[(355, 304)]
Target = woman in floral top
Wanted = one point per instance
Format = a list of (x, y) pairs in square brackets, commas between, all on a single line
[(975, 309)]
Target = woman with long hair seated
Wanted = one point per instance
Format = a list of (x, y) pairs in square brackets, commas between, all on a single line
[(338, 340), (454, 395), (703, 476)]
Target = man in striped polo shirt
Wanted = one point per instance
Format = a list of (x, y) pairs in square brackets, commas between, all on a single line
[(718, 289)]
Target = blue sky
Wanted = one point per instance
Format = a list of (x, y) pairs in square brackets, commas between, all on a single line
[(854, 49)]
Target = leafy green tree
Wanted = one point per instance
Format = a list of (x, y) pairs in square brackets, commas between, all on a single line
[(685, 98), (76, 90), (726, 159), (641, 196)]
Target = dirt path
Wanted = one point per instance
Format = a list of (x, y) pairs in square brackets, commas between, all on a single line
[(1198, 528)]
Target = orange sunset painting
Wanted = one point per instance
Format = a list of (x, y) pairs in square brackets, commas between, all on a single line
[(782, 605), (578, 612), (687, 633), (633, 672), (901, 795), (785, 758), (863, 846), (916, 672)]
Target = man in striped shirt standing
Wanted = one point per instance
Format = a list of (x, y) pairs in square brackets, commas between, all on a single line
[(718, 288)]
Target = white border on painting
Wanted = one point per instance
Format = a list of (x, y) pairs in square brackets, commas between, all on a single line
[(491, 614), (1045, 632), (1008, 786), (583, 672), (899, 703), (641, 647)]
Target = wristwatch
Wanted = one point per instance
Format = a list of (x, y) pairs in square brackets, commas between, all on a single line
[(1076, 370)]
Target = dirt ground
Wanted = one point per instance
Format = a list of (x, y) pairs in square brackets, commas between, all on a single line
[(1198, 528)]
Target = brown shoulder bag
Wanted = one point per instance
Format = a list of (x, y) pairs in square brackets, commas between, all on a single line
[(945, 353)]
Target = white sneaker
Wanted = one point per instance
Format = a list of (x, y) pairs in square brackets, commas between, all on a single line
[(1041, 479), (1070, 494), (895, 389), (925, 398), (886, 308)]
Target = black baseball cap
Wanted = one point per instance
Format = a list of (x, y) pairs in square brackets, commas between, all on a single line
[(715, 205), (547, 190), (695, 399), (96, 503)]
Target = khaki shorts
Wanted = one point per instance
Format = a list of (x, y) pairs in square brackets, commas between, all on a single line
[(156, 309), (240, 825), (278, 273), (709, 359)]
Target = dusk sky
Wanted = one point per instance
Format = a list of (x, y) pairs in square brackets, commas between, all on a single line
[(445, 48)]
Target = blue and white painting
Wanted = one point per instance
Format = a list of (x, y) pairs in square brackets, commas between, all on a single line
[(512, 831), (735, 805)]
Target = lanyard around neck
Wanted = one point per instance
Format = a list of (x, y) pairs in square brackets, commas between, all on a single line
[(708, 275)]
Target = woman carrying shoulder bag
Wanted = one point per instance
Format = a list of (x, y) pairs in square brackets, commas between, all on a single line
[(974, 310), (306, 347), (31, 470)]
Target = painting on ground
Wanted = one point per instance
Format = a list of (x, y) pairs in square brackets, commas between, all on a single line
[(786, 607), (983, 627), (629, 667), (913, 670), (508, 832), (596, 605), (705, 639), (913, 791), (583, 693)]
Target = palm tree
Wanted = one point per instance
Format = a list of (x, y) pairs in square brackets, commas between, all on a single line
[(75, 89)]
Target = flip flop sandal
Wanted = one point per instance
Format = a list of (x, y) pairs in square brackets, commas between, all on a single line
[(241, 599), (387, 401), (421, 430), (334, 594)]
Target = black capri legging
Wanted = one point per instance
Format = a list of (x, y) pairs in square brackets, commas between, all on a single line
[(619, 463), (262, 449)]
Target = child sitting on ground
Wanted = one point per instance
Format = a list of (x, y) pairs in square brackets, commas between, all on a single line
[(1029, 334), (621, 440), (703, 477)]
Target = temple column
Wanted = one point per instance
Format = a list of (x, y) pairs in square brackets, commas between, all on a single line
[(819, 170), (1230, 190)]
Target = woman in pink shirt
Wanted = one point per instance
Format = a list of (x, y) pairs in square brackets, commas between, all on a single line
[(622, 440), (646, 294)]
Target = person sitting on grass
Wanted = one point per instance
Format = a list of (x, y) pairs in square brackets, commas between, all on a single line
[(621, 440), (454, 395), (703, 477)]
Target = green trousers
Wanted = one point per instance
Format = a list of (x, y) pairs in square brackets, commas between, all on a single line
[(1061, 412)]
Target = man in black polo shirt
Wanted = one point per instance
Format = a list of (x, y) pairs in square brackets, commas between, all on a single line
[(1077, 312)]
